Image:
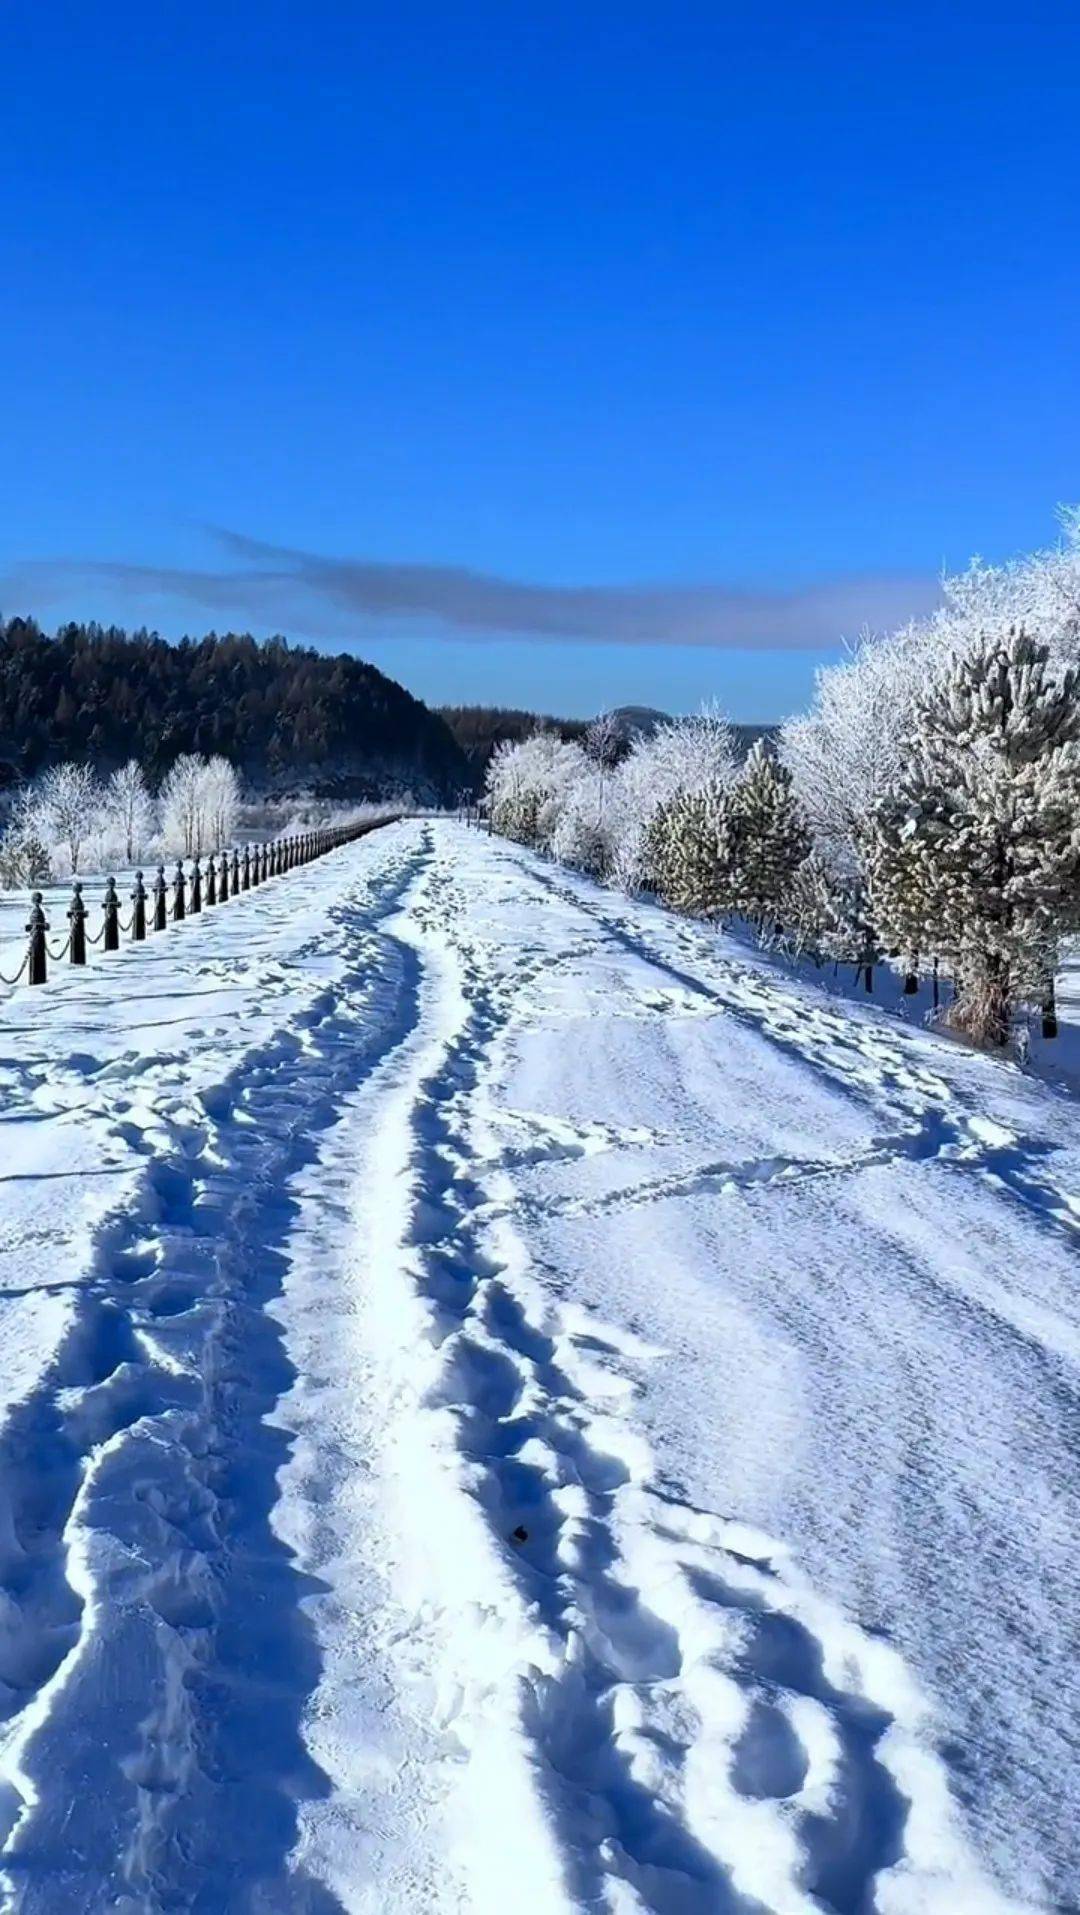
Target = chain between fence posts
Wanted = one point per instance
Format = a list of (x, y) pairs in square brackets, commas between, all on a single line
[(270, 859)]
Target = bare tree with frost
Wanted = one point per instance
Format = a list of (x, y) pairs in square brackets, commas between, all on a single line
[(127, 812), (184, 825), (221, 800), (604, 741), (68, 803)]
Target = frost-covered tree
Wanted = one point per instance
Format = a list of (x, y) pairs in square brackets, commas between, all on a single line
[(183, 816), (580, 838), (1038, 593), (68, 804), (528, 784), (690, 754), (24, 854), (199, 801), (221, 800), (128, 812), (810, 907), (847, 751), (689, 851), (734, 848), (976, 854), (605, 742), (764, 837)]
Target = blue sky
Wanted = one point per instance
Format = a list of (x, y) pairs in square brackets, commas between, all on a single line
[(705, 332)]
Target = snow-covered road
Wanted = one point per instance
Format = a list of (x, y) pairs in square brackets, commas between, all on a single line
[(513, 1403)]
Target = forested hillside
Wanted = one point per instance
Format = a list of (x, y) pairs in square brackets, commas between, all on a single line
[(479, 728), (286, 716)]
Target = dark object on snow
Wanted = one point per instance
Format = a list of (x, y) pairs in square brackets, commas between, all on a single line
[(37, 926), (111, 909), (520, 1534), (138, 914), (77, 921)]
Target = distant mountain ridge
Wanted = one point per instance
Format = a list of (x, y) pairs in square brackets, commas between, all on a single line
[(288, 717)]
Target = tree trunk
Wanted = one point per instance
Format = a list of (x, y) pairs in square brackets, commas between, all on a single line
[(998, 1003)]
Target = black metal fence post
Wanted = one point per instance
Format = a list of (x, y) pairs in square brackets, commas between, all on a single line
[(161, 894), (138, 914), (110, 940), (211, 881), (246, 879), (195, 901), (179, 890), (223, 879), (77, 921), (235, 873), (37, 925)]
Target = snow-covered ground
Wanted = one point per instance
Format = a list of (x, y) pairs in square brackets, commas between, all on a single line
[(515, 1403)]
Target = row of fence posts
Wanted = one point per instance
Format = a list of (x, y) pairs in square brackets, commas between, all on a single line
[(226, 874), (477, 815)]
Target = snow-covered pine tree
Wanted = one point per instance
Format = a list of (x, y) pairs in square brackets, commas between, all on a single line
[(765, 838), (976, 855), (686, 754), (687, 845)]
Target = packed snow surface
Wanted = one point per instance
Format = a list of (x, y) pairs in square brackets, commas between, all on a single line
[(514, 1403)]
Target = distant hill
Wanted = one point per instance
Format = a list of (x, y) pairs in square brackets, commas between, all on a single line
[(746, 736), (288, 717)]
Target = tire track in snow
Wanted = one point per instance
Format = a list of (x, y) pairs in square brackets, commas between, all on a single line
[(156, 1656), (708, 1733)]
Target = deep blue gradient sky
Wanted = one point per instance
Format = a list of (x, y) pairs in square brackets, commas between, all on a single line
[(605, 295)]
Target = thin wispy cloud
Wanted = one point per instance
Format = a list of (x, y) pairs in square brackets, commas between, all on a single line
[(306, 593)]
